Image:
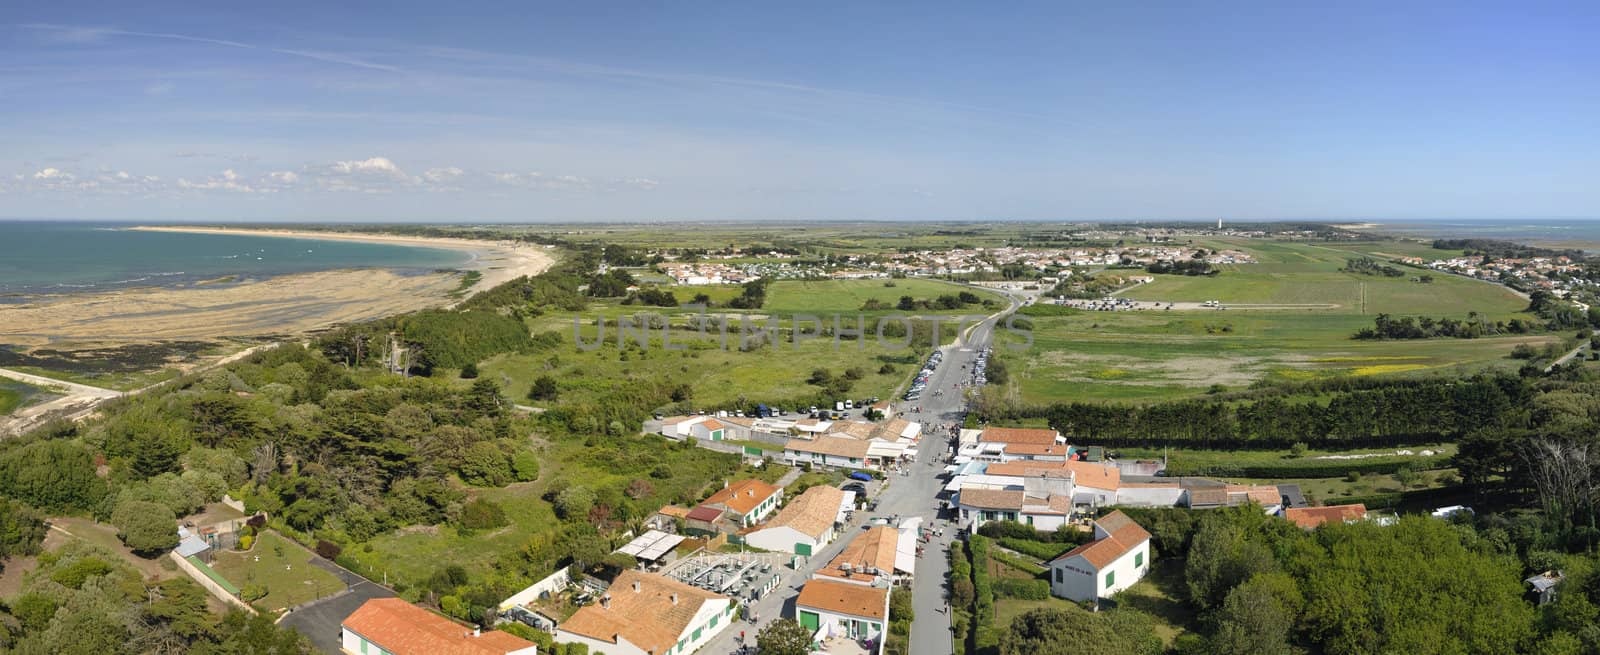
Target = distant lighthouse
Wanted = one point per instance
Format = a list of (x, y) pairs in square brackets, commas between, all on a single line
[(1219, 223)]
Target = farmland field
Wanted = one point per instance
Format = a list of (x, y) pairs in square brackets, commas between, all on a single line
[(1158, 354), (802, 296)]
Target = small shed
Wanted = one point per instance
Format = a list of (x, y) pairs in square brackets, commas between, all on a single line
[(1544, 586)]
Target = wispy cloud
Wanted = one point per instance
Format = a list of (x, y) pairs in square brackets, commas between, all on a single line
[(91, 34)]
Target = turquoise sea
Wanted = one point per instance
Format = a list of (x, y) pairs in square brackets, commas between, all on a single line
[(67, 256)]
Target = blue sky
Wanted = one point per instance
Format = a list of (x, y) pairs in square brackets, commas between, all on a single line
[(519, 111)]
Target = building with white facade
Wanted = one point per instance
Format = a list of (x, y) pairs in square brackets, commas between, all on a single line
[(1118, 557), (648, 614)]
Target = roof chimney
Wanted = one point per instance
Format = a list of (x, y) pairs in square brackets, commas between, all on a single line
[(674, 598), (605, 601), (477, 631), (636, 586)]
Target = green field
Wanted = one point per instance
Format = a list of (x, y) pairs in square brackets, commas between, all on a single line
[(1159, 354), (284, 568), (725, 377), (829, 296)]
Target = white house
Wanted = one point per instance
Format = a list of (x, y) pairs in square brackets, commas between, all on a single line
[(804, 525), (747, 501), (1040, 509), (648, 614), (840, 611), (870, 559), (396, 627), (838, 452), (1118, 557)]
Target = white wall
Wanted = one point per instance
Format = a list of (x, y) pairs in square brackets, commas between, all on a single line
[(781, 539), (596, 647), (1075, 579), (834, 624), (1044, 522)]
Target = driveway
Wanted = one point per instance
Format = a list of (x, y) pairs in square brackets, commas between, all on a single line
[(319, 620)]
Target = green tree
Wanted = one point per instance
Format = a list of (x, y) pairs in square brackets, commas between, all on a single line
[(51, 475), (1256, 617), (484, 464), (145, 527), (574, 502), (470, 371), (783, 637), (543, 388)]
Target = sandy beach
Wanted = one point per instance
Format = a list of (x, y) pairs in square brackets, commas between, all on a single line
[(498, 261), (283, 305)]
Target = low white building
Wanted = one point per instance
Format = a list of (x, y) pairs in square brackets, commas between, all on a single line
[(840, 611), (1117, 558), (837, 452), (648, 614), (804, 525)]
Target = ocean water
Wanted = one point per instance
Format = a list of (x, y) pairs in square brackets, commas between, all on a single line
[(1584, 234), (66, 257)]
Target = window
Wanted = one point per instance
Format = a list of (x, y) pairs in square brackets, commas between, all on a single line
[(1030, 520), (1061, 575), (713, 621), (1111, 578), (1138, 559)]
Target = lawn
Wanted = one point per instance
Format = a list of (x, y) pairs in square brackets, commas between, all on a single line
[(284, 568), (1156, 355), (719, 377)]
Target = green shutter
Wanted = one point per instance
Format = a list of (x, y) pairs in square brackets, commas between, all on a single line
[(696, 635), (1138, 559), (1111, 578), (810, 620), (802, 549)]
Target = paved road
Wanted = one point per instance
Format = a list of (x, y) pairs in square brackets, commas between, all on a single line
[(912, 495), (1576, 352)]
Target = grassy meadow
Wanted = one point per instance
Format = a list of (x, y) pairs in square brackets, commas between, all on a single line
[(1154, 355), (284, 568)]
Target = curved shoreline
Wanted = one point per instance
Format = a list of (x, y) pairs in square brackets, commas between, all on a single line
[(498, 261)]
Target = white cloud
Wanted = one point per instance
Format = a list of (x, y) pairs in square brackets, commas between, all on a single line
[(229, 181), (53, 174)]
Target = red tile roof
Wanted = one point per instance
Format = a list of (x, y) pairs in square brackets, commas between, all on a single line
[(1096, 475), (1123, 536), (405, 629), (845, 598), (650, 611), (1311, 517), (1018, 435), (742, 496)]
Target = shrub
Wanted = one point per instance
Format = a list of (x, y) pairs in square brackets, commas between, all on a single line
[(1023, 589), (246, 542), (253, 592), (482, 514), (328, 550), (469, 372)]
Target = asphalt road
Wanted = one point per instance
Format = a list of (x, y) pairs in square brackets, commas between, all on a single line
[(912, 495)]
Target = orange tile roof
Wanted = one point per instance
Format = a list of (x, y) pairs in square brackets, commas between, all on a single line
[(845, 598), (1061, 505), (648, 618), (1037, 449), (742, 496), (812, 513), (872, 549), (1024, 469), (674, 511), (1262, 494), (711, 424), (405, 629), (854, 429), (1311, 517), (1093, 474), (1124, 536), (1018, 435), (990, 498)]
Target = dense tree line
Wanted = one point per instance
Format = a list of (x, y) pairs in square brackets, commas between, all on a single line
[(1403, 412), (1474, 326), (1498, 249), (1183, 267), (1370, 266)]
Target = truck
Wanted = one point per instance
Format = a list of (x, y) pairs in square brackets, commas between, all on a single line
[(838, 405)]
